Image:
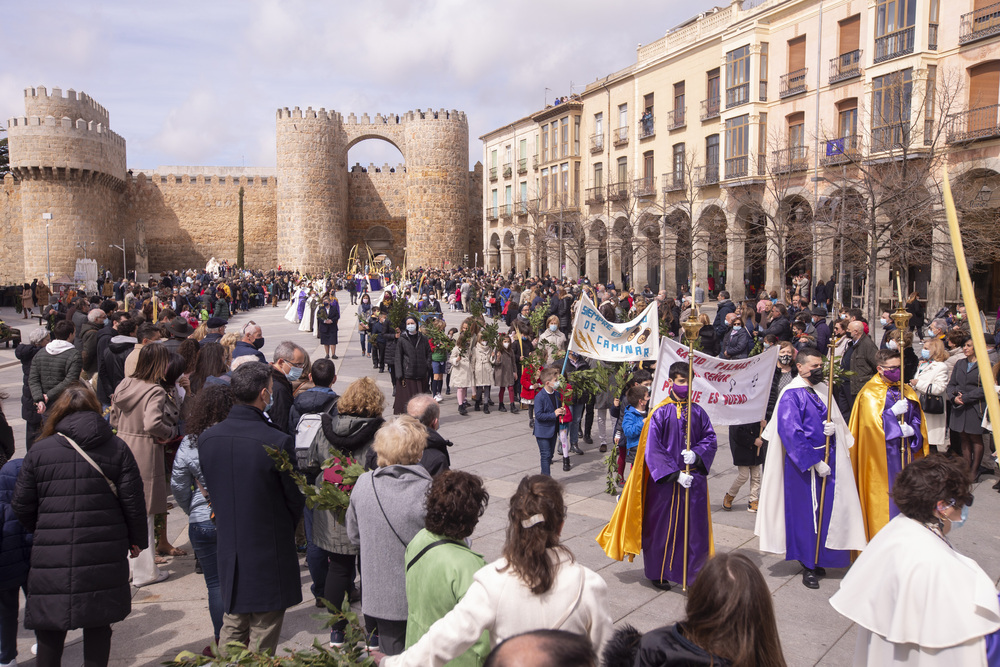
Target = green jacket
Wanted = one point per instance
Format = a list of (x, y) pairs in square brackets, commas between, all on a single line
[(435, 584)]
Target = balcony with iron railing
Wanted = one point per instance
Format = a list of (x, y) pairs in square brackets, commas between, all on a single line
[(508, 170), (707, 176), (534, 161), (974, 124), (595, 195), (677, 118), (507, 211), (841, 150), (521, 208), (789, 160), (522, 165), (493, 173), (737, 167), (673, 182), (621, 136), (932, 36), (647, 127), (737, 95), (845, 66), (617, 191), (597, 142), (644, 187), (894, 45), (710, 108), (889, 137), (492, 212), (793, 83), (984, 22)]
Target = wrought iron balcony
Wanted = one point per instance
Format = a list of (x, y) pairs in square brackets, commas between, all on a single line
[(522, 165), (710, 108), (841, 150), (493, 173), (793, 83), (932, 36), (521, 208), (845, 66), (673, 182), (534, 162), (737, 167), (647, 127), (984, 22), (974, 124), (707, 175), (492, 212), (595, 195), (507, 170), (621, 136), (597, 142), (617, 191), (644, 187), (737, 95), (507, 211), (677, 118), (894, 45), (791, 159), (888, 137)]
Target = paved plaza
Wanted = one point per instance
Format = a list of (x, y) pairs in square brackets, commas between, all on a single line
[(173, 616)]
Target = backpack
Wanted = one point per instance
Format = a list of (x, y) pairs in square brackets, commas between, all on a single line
[(310, 443)]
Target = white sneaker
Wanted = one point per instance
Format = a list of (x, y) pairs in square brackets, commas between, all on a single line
[(437, 397)]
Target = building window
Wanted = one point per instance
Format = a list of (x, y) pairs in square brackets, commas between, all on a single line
[(929, 103), (894, 21), (543, 195), (848, 63), (545, 143), (522, 202), (576, 135), (711, 159), (762, 93), (710, 107), (738, 77), (565, 181), (621, 133), (794, 81), (564, 132), (891, 96), (679, 162), (679, 106), (737, 145), (622, 169), (599, 175), (932, 26), (762, 145)]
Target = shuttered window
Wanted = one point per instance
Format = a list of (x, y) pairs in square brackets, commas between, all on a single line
[(850, 34), (796, 53), (984, 84)]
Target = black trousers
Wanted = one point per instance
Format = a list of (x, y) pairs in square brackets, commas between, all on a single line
[(96, 647), (339, 580)]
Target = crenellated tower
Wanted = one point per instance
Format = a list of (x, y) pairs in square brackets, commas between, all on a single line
[(71, 165)]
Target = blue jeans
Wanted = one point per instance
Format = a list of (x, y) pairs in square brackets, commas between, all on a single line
[(203, 541), (317, 560), (9, 602), (364, 342), (545, 448)]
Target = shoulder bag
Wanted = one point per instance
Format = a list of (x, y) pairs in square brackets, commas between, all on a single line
[(114, 489), (931, 404)]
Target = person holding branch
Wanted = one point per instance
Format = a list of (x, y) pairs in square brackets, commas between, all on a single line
[(809, 508), (677, 487)]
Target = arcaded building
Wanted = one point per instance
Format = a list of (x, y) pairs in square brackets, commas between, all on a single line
[(761, 141), (71, 192)]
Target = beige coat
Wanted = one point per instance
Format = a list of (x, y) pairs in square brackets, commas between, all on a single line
[(145, 417), (482, 364), (461, 368)]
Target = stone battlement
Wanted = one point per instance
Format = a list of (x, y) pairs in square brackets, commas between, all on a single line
[(184, 177), (66, 123), (39, 102), (384, 169), (351, 119), (63, 143)]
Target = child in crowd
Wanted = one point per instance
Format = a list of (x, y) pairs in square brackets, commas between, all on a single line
[(635, 416), (548, 412)]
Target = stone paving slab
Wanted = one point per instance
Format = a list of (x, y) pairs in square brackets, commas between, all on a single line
[(173, 616)]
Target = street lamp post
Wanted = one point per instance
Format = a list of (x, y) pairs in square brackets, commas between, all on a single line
[(124, 260), (48, 262)]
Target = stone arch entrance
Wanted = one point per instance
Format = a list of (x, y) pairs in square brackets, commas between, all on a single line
[(493, 252), (380, 240)]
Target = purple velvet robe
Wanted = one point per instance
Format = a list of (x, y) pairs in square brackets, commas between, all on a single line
[(894, 439), (303, 297), (663, 507), (801, 414)]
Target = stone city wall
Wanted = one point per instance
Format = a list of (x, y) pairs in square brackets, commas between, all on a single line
[(11, 236), (377, 198)]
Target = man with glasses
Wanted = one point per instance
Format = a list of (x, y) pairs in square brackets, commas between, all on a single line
[(287, 363), (251, 342)]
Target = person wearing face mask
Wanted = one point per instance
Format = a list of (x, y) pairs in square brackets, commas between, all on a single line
[(250, 343), (888, 326), (364, 314), (794, 471), (670, 476), (413, 365), (967, 396), (931, 379), (328, 316), (551, 338), (884, 444), (505, 373), (915, 598), (288, 362)]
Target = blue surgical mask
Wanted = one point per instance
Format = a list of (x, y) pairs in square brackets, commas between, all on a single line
[(961, 522), (926, 354), (411, 328), (294, 374), (553, 328), (883, 321), (270, 402)]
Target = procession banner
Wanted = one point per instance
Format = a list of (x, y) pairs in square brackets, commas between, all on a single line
[(595, 337), (731, 391)]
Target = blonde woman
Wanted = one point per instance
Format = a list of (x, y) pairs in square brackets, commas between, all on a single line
[(932, 379), (551, 339)]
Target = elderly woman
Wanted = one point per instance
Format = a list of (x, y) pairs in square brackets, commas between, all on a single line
[(439, 563), (551, 339), (932, 380), (911, 565), (385, 513), (968, 402), (81, 494), (537, 583)]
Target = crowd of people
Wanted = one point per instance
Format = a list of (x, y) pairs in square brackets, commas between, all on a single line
[(139, 392)]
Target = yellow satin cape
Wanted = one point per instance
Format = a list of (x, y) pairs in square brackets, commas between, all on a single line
[(621, 538), (868, 456)]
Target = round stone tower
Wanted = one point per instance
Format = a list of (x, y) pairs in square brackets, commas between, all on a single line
[(312, 190), (71, 169), (437, 190)]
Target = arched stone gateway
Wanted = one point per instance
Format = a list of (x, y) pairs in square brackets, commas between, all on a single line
[(314, 184)]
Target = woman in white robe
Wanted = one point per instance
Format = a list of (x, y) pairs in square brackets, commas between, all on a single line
[(916, 600)]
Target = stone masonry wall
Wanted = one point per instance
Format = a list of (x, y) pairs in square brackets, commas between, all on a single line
[(377, 198), (11, 237), (189, 222)]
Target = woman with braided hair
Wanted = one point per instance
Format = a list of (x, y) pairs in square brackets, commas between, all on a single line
[(535, 585)]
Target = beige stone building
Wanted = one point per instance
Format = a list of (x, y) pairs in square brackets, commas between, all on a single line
[(760, 141), (70, 192)]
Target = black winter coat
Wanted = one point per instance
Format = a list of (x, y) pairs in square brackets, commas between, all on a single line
[(281, 408), (15, 541), (256, 509), (435, 459), (82, 532), (25, 352), (413, 356), (656, 648), (113, 366)]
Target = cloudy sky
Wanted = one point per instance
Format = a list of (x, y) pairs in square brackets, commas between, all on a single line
[(198, 83)]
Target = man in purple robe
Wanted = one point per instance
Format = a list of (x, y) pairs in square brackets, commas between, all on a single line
[(802, 474), (677, 477)]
